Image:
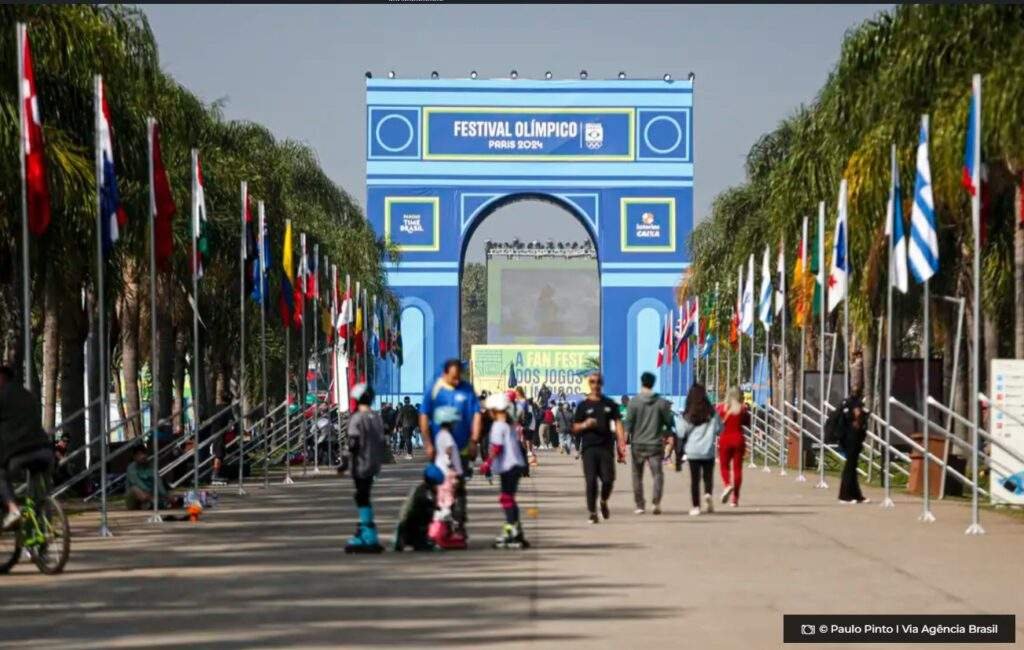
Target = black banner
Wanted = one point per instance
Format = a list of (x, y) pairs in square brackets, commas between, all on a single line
[(910, 628)]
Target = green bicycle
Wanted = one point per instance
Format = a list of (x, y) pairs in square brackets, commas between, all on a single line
[(43, 532)]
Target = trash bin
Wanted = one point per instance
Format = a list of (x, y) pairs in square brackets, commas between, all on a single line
[(937, 447)]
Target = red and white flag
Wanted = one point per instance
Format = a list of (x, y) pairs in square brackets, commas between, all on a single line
[(37, 194)]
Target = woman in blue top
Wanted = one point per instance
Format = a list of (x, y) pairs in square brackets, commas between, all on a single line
[(697, 435)]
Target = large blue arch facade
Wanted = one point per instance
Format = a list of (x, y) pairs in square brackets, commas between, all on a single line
[(618, 155)]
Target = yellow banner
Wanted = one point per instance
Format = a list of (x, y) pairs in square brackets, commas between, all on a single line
[(562, 368)]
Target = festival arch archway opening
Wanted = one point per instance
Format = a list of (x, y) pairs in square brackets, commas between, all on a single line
[(618, 155)]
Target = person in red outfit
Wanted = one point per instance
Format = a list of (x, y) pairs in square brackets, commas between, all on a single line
[(732, 444)]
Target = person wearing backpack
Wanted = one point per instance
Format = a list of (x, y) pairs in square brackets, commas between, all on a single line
[(849, 426), (698, 432)]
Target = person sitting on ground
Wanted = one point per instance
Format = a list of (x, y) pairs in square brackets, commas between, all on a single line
[(140, 488), (23, 443)]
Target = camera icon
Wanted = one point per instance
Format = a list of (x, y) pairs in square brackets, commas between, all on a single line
[(807, 630)]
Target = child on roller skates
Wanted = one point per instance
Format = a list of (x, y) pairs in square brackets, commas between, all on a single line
[(506, 460), (417, 513), (367, 445), (447, 459)]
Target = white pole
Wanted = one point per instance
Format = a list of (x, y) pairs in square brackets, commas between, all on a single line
[(196, 381), (287, 384), (887, 501), (718, 343), (26, 295), (975, 528), (154, 413), (316, 358), (926, 513), (263, 343), (304, 364), (784, 439), (843, 200), (104, 528), (822, 397), (241, 332)]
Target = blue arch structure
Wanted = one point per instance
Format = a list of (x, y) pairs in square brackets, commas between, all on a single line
[(618, 155)]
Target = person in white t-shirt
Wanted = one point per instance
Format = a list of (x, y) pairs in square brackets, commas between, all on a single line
[(506, 460), (446, 458)]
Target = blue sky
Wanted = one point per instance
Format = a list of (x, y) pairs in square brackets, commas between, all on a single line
[(298, 69)]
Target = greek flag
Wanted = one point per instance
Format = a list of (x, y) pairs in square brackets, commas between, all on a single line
[(747, 315), (764, 305), (924, 240)]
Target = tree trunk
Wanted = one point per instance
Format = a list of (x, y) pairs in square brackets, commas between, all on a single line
[(180, 365), (51, 351), (1018, 273), (128, 311), (73, 335), (165, 344)]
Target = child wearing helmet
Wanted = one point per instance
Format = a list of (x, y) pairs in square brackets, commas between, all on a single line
[(448, 461), (367, 445), (506, 460)]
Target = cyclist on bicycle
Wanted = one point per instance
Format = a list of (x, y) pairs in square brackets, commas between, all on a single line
[(23, 443)]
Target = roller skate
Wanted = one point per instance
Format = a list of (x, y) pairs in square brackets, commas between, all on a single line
[(445, 538), (365, 540), (511, 537)]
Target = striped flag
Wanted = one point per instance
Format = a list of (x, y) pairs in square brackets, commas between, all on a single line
[(662, 348), (780, 279), (286, 299), (199, 221), (894, 230), (747, 313), (112, 215), (839, 273), (764, 307), (924, 239), (975, 171)]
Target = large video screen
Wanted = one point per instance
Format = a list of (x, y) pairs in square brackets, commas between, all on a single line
[(543, 301)]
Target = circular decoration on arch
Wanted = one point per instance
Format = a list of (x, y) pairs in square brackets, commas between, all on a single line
[(663, 134), (400, 128)]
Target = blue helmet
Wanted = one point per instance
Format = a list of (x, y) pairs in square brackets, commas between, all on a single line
[(446, 415), (432, 474)]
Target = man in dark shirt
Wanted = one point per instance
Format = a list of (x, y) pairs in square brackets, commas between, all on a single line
[(599, 424), (408, 420), (23, 443)]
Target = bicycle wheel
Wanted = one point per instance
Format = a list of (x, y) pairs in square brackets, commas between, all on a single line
[(51, 556), (10, 549)]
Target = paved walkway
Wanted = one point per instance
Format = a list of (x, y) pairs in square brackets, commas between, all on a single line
[(267, 570)]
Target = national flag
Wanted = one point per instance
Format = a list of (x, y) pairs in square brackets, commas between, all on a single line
[(263, 262), (286, 299), (839, 273), (780, 279), (313, 277), (734, 329), (815, 264), (398, 351), (709, 346), (200, 224), (112, 215), (894, 231), (37, 193), (924, 239), (345, 315), (161, 201), (357, 337), (747, 313), (975, 171), (801, 302), (302, 273), (765, 304), (250, 247), (662, 348), (680, 349)]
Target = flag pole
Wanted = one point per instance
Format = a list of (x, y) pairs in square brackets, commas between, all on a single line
[(287, 378), (316, 358), (753, 346), (975, 528), (718, 341), (300, 398), (154, 414), (783, 438), (26, 294), (739, 334), (101, 330), (822, 397), (887, 501), (241, 333), (196, 381), (263, 343), (843, 199)]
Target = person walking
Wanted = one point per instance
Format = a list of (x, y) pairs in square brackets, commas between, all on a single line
[(598, 422), (451, 390), (697, 433), (732, 445), (408, 417), (544, 429), (648, 420), (850, 425), (563, 422)]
